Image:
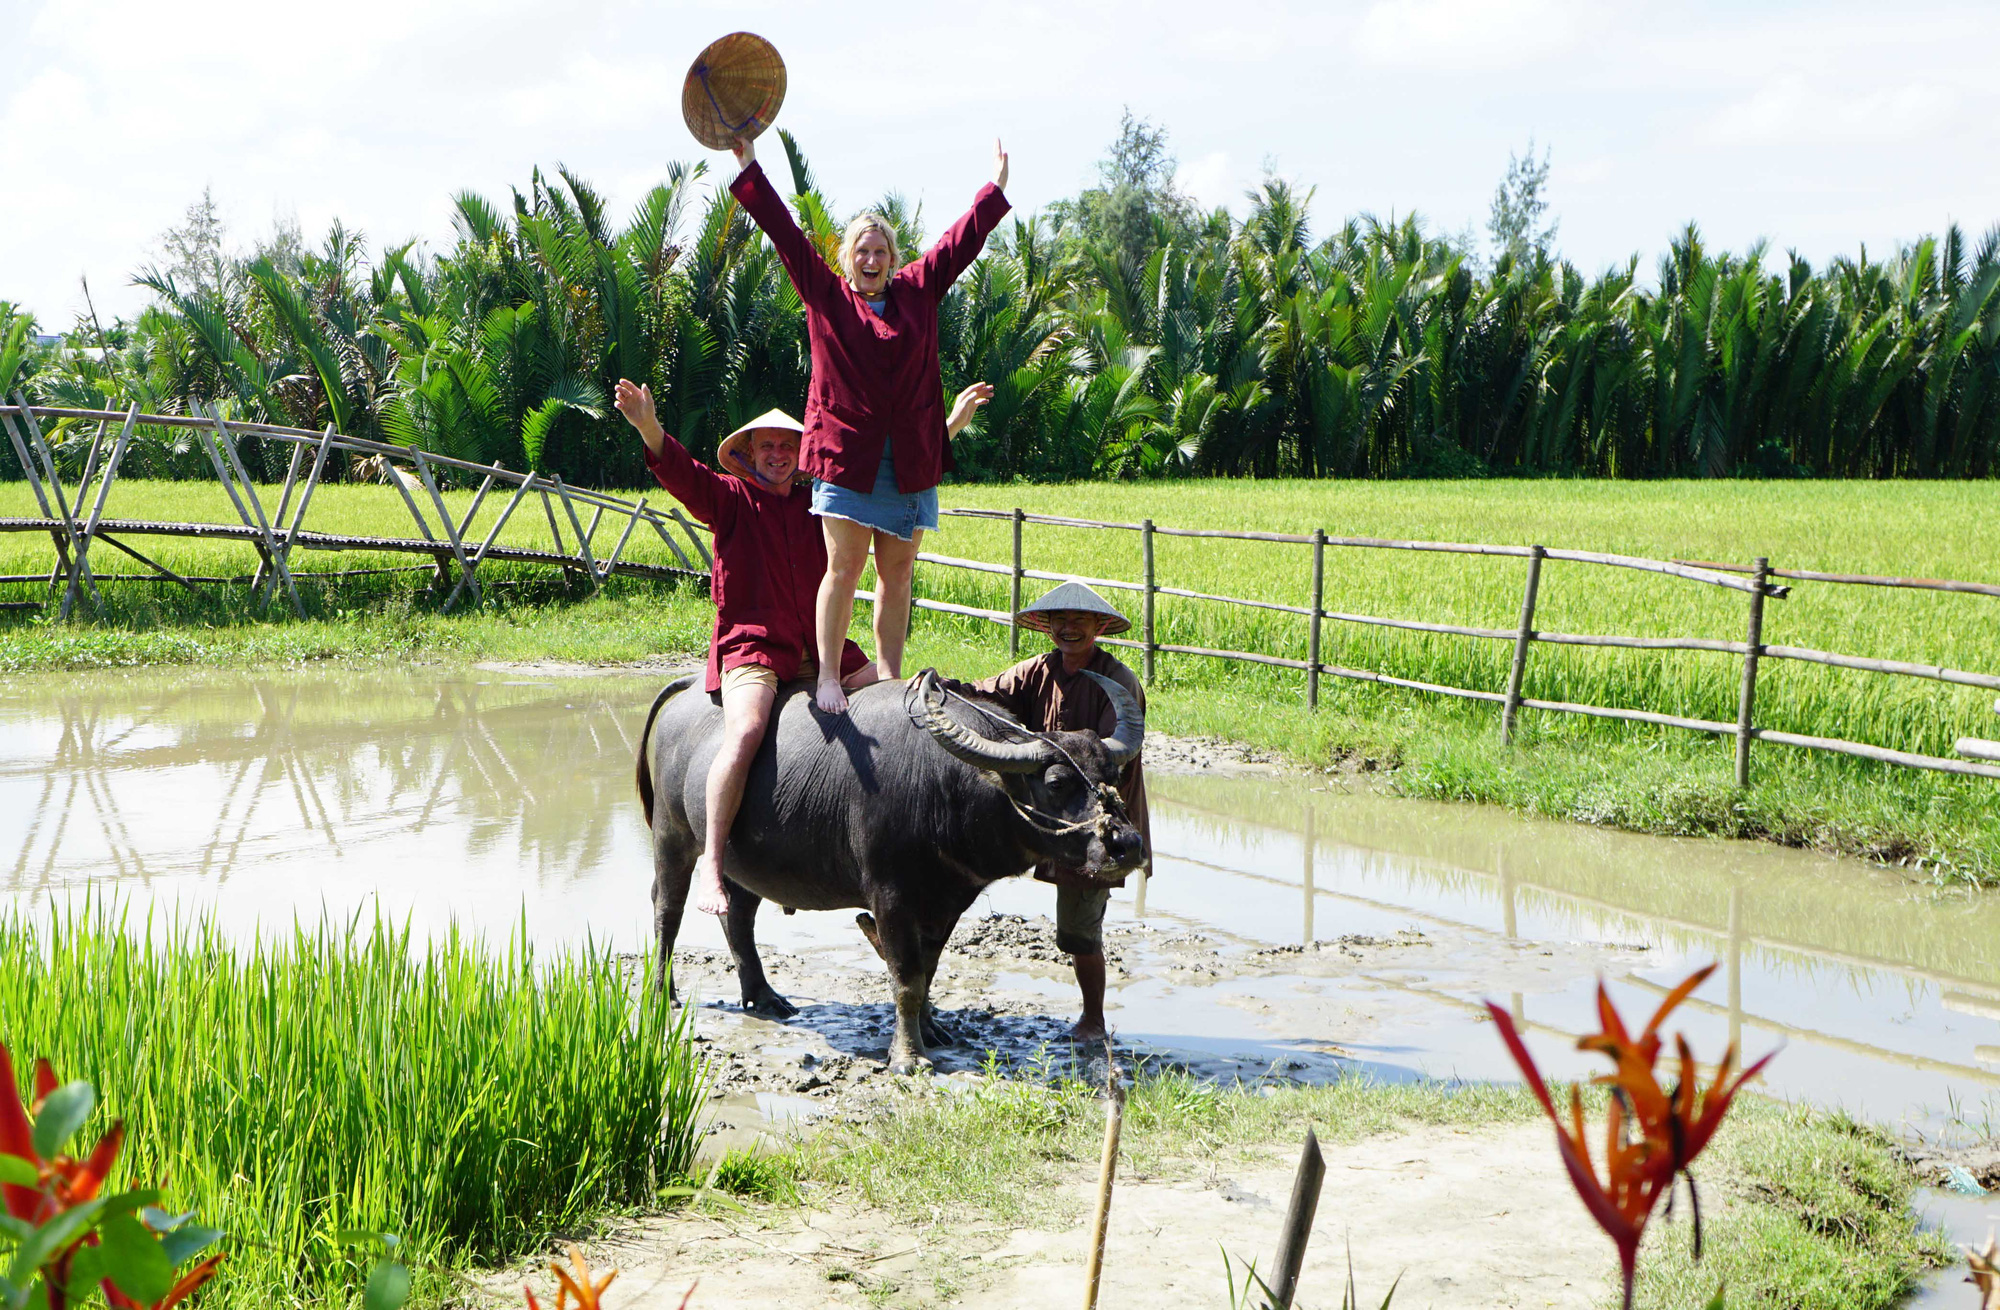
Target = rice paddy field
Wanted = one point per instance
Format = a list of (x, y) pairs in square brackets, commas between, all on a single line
[(1654, 779), (471, 1100)]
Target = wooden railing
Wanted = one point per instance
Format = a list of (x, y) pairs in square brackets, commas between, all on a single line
[(1981, 757), (274, 533)]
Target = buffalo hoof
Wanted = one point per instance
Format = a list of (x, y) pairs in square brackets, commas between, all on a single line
[(935, 1033), (770, 1005), (908, 1064)]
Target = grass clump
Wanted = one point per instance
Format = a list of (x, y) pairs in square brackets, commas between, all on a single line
[(474, 1102), (1803, 1211)]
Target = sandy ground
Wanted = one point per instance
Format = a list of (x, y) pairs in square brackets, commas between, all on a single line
[(1466, 1219)]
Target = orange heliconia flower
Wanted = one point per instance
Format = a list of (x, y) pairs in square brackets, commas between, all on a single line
[(65, 1182), (576, 1281), (1985, 1265), (1651, 1134)]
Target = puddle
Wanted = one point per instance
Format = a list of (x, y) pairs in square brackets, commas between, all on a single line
[(1286, 925)]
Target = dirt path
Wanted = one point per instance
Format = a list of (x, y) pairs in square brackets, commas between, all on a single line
[(1480, 1218)]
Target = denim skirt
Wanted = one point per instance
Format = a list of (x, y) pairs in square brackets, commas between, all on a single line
[(884, 509)]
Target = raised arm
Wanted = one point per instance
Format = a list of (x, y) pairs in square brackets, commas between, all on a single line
[(958, 247), (768, 210), (687, 479)]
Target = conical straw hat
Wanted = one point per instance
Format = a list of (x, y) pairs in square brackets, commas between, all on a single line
[(1073, 596), (734, 89), (733, 452)]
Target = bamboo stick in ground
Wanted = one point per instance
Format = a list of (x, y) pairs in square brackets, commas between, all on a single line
[(1107, 1169)]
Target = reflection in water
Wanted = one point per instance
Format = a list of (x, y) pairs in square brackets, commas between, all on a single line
[(1887, 995), (488, 800), (470, 799)]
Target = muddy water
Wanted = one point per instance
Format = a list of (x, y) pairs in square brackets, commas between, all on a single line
[(1287, 922)]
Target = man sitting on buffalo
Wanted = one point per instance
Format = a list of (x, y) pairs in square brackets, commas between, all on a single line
[(769, 557), (1049, 693)]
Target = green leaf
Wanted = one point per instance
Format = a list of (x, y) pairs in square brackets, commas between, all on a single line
[(367, 1237), (388, 1287), (160, 1221), (1717, 1302), (133, 1259), (62, 1114), (50, 1238), (13, 1169), (187, 1241)]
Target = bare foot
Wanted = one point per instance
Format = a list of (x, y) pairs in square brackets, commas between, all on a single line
[(1087, 1030), (709, 896), (831, 698)]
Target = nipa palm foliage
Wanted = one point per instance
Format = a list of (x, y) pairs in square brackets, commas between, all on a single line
[(1232, 349)]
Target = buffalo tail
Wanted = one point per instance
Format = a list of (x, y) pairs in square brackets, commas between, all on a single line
[(645, 771)]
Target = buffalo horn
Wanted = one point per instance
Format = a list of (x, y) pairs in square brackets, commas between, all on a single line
[(978, 751), (1124, 742)]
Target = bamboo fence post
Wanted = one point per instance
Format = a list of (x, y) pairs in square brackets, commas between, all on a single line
[(1306, 1186), (450, 528), (624, 537), (1152, 644), (1746, 704), (493, 534), (280, 570), (661, 528), (66, 543), (284, 504), (479, 498), (213, 447), (1318, 614), (1107, 1170), (1526, 634), (1014, 594), (549, 511), (700, 546), (312, 483), (576, 526), (97, 516), (89, 467), (590, 533), (41, 498)]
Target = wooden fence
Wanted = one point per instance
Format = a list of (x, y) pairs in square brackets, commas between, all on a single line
[(1981, 757), (75, 519)]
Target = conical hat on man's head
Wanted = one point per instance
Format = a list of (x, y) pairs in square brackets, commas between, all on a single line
[(733, 454), (1073, 596)]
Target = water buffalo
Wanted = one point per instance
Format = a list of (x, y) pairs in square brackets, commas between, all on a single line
[(906, 807)]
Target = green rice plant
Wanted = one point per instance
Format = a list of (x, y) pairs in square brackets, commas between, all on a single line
[(343, 1078)]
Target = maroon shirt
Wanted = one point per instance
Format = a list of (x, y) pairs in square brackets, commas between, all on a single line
[(769, 556), (874, 377)]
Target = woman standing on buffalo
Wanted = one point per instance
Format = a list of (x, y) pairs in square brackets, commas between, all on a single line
[(875, 441)]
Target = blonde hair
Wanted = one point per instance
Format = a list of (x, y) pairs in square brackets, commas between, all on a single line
[(861, 226)]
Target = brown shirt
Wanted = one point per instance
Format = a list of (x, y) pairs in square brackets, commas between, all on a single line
[(1045, 697)]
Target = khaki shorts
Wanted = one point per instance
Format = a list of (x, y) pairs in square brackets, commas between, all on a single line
[(762, 675), (1080, 918)]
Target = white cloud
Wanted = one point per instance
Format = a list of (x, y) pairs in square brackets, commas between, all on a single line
[(1817, 123)]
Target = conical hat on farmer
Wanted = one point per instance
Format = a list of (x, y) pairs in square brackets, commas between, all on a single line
[(734, 89), (1073, 596), (734, 454)]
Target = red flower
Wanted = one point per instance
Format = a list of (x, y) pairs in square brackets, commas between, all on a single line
[(65, 1183), (1651, 1133)]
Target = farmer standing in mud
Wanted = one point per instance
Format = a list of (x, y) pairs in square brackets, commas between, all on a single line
[(769, 559), (1049, 693)]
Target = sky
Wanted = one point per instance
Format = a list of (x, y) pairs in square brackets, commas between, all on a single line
[(1813, 126)]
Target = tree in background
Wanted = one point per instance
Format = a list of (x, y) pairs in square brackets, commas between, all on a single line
[(1516, 221), (1125, 335)]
